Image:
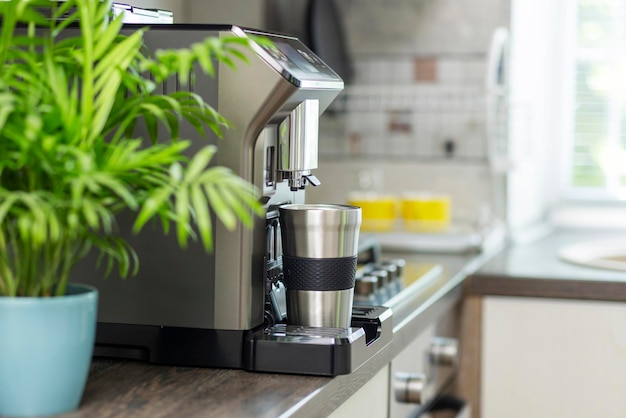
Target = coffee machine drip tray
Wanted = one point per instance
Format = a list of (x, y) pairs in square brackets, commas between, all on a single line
[(320, 351)]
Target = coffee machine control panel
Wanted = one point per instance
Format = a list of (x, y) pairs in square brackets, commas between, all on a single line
[(296, 62)]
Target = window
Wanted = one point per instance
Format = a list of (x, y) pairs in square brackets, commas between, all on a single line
[(597, 168)]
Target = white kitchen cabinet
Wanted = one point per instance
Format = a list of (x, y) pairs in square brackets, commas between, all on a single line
[(553, 358), (370, 401), (412, 360)]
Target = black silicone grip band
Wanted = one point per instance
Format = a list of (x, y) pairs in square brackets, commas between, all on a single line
[(319, 273)]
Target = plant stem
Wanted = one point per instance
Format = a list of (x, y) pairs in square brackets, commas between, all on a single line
[(87, 95), (70, 253), (7, 281), (15, 258)]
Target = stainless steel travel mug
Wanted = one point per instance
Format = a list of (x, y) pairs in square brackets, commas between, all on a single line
[(320, 246)]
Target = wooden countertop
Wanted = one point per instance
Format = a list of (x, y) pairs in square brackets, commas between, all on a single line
[(129, 389), (134, 389), (534, 269), (121, 388)]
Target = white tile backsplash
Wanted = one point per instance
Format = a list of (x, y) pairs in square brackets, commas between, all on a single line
[(462, 70), (421, 26), (412, 121), (398, 125)]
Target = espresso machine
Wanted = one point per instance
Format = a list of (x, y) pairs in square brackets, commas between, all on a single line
[(227, 308)]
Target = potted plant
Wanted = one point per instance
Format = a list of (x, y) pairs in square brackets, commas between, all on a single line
[(69, 163)]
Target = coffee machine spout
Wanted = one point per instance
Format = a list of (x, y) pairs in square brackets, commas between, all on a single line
[(298, 145), (298, 180), (314, 181)]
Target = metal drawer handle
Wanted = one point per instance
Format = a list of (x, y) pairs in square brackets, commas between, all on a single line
[(419, 388), (444, 352), (409, 387)]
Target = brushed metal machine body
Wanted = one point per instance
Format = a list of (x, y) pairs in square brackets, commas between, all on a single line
[(226, 309)]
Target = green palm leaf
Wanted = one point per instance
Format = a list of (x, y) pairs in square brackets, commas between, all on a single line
[(69, 160)]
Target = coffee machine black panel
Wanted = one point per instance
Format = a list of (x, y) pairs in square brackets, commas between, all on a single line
[(320, 351)]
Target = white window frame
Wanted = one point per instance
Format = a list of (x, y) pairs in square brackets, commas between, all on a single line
[(612, 193), (577, 208)]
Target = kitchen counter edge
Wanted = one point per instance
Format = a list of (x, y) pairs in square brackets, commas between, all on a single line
[(535, 269)]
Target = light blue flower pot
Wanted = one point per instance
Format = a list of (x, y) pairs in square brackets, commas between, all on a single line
[(45, 351)]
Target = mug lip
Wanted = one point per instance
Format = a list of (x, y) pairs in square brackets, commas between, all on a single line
[(319, 207)]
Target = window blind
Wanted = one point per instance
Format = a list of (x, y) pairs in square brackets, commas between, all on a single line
[(599, 144)]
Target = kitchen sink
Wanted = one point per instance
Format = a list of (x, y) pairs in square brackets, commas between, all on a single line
[(607, 254)]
